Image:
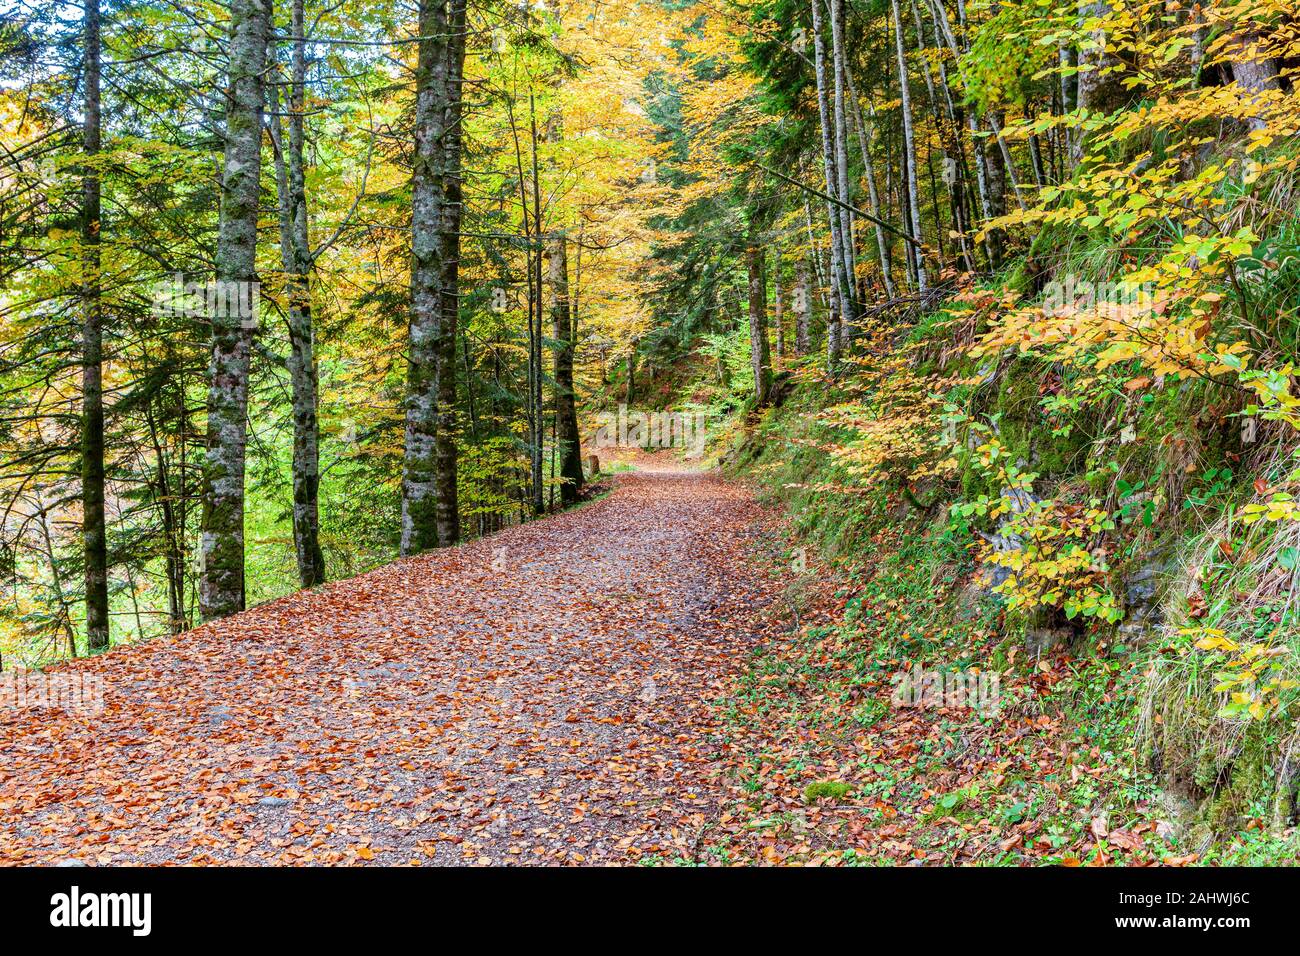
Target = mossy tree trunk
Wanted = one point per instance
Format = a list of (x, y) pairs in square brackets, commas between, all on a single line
[(566, 414), (447, 509), (296, 256), (758, 348), (221, 584), (430, 513)]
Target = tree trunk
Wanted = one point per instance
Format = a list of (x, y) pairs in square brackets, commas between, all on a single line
[(566, 414), (993, 243), (221, 585), (833, 328), (909, 149), (839, 279), (173, 537), (803, 310), (1098, 91), (295, 253), (447, 508), (873, 192), (1253, 74), (778, 308), (1007, 166), (758, 351), (428, 200), (93, 521), (850, 314), (539, 417)]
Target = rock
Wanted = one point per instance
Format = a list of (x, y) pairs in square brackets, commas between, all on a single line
[(1021, 500), (1143, 598), (1141, 587), (274, 802), (70, 862)]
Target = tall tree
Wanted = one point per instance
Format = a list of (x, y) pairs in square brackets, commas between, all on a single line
[(873, 191), (447, 510), (839, 279), (296, 256), (221, 585), (94, 525), (839, 61), (758, 347), (566, 414), (909, 149), (535, 316), (430, 514)]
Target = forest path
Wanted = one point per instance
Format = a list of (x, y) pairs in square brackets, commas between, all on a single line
[(539, 696)]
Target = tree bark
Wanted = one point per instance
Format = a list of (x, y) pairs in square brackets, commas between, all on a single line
[(1253, 74), (839, 279), (221, 584), (873, 192), (909, 148), (93, 522), (539, 417), (566, 413), (993, 243), (1100, 88), (849, 315), (778, 308), (758, 349), (803, 310), (630, 393), (447, 508), (428, 252), (296, 256)]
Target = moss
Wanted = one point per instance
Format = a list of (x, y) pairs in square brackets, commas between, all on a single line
[(833, 789), (1024, 429), (1229, 770), (1248, 779)]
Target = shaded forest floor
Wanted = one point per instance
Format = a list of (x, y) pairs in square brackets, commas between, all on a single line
[(539, 696)]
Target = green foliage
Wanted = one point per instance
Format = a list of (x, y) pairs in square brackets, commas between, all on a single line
[(1007, 56), (834, 790)]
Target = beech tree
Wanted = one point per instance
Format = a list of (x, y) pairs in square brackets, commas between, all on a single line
[(430, 515), (296, 256), (221, 584)]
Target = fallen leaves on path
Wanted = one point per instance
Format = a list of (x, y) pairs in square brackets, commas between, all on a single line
[(540, 696), (616, 684)]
